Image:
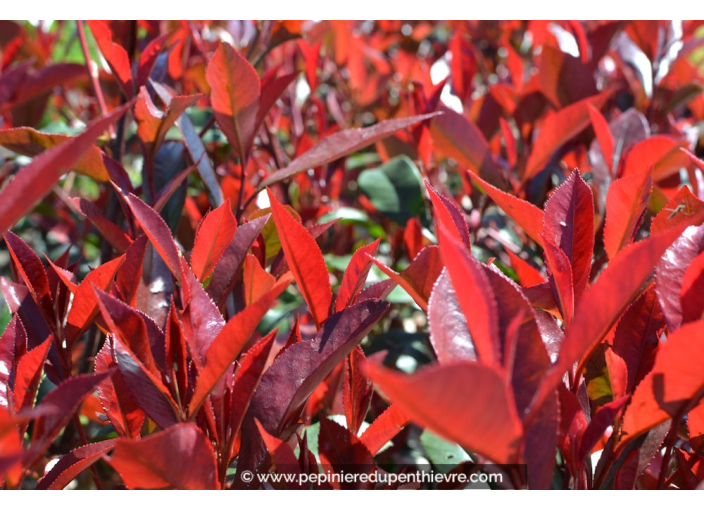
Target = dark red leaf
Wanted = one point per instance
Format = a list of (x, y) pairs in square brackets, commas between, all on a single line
[(449, 215), (74, 463), (341, 144), (357, 390), (111, 232)]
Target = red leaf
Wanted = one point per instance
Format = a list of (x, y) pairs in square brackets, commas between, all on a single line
[(74, 463), (85, 304), (124, 414), (234, 95), (382, 430), (111, 232), (603, 418), (667, 391), (12, 342), (340, 144), (247, 377), (214, 235), (282, 456), (355, 275), (671, 269), (449, 334), (449, 216), (569, 224), (625, 206), (257, 281), (291, 380), (527, 274), (305, 260), (661, 152), (475, 297), (435, 398), (525, 214), (157, 231), (604, 136), (30, 142), (35, 180), (679, 209), (148, 58), (692, 295), (31, 270), (457, 137), (157, 461), (602, 304), (560, 279), (115, 55), (695, 426), (64, 400), (357, 390), (230, 341), (419, 277), (637, 337), (28, 375), (224, 276), (559, 129)]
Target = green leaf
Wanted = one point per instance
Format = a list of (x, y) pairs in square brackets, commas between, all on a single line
[(395, 189), (443, 454)]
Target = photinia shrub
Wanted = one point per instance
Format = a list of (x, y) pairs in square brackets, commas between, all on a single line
[(240, 248)]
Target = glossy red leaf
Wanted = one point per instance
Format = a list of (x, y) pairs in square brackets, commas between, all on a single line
[(692, 297), (419, 277), (637, 337), (526, 215), (625, 206), (449, 215), (291, 380), (475, 296), (84, 307), (225, 272), (157, 461), (148, 58), (257, 281), (671, 269), (230, 341), (234, 94), (341, 144), (214, 235), (157, 231), (384, 428), (305, 260), (124, 414), (74, 463), (147, 389), (667, 391), (115, 55), (569, 224), (436, 398), (695, 426), (13, 342), (604, 302), (28, 375), (35, 180), (31, 270), (559, 129), (601, 420), (447, 325), (355, 275), (560, 278)]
